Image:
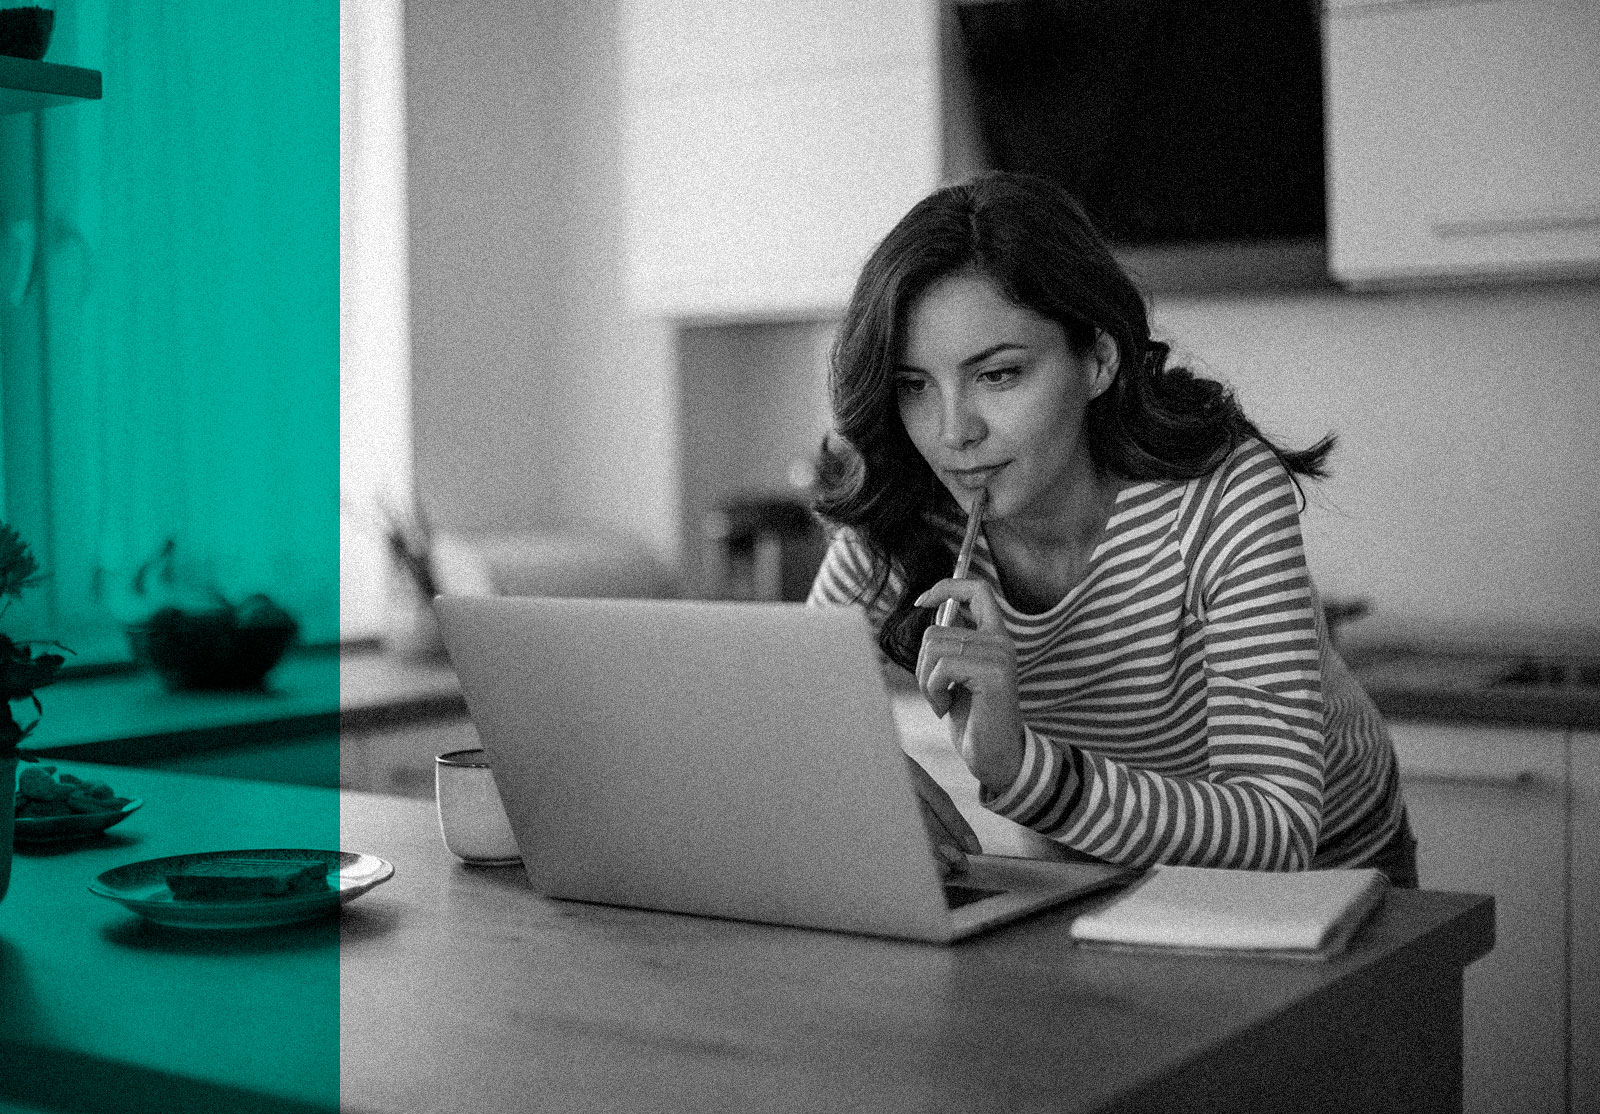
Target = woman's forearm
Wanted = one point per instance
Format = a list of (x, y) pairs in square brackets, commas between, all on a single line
[(1137, 817)]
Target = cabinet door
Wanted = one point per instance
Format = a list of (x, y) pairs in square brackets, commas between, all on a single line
[(1462, 138), (768, 147), (1489, 809), (1584, 820)]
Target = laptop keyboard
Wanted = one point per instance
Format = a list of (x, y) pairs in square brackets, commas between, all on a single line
[(956, 895)]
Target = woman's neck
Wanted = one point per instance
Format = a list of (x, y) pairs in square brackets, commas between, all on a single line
[(1041, 557), (1074, 515)]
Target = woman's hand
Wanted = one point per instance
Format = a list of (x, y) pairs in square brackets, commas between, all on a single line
[(970, 674)]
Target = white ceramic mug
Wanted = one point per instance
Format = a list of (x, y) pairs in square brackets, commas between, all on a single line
[(471, 817)]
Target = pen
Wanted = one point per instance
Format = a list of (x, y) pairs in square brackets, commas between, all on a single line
[(947, 610)]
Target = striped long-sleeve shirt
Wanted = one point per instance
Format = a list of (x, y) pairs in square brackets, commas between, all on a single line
[(1183, 703)]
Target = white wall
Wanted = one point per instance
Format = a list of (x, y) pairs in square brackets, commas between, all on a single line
[(538, 403), (615, 451), (481, 83), (375, 457), (1465, 497)]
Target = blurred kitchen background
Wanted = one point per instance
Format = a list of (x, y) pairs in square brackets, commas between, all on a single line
[(628, 229), (632, 225), (591, 254)]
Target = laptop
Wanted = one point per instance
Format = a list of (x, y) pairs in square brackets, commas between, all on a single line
[(734, 760)]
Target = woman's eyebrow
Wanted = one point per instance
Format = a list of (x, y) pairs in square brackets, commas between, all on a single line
[(974, 359), (993, 349)]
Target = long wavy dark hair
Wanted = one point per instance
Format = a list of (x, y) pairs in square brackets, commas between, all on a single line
[(1035, 242)]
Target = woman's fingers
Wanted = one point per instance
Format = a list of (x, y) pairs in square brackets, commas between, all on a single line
[(979, 657), (955, 656), (969, 674), (939, 643), (978, 597), (927, 661), (973, 673)]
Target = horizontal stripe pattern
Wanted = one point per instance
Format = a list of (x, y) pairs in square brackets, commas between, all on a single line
[(1183, 703)]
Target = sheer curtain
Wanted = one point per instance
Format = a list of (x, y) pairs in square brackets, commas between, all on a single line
[(375, 454), (171, 365)]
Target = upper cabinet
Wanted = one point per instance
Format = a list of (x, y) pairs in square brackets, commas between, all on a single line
[(1463, 139), (768, 147)]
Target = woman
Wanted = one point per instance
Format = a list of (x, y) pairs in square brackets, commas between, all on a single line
[(1144, 673)]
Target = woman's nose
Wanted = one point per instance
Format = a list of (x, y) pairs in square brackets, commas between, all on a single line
[(962, 426)]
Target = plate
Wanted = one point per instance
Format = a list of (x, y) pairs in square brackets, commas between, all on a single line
[(77, 825), (142, 887)]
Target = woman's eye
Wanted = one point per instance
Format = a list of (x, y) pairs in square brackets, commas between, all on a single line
[(908, 386), (997, 376)]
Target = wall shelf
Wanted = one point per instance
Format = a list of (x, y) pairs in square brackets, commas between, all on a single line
[(26, 86)]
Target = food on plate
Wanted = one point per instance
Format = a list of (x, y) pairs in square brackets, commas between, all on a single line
[(42, 792), (245, 879)]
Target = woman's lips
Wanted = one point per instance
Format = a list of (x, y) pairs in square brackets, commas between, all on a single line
[(973, 478)]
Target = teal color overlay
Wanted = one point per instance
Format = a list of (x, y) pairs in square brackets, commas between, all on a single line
[(170, 361), (169, 342)]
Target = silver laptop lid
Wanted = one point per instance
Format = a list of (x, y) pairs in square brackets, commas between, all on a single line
[(732, 760)]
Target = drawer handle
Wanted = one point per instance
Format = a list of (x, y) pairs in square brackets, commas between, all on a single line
[(1517, 223), (1522, 779)]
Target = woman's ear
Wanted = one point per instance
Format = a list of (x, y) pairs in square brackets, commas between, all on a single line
[(1104, 363)]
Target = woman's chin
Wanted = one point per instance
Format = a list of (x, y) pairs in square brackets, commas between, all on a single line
[(967, 498)]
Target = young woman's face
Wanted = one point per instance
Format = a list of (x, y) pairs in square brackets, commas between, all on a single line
[(992, 395)]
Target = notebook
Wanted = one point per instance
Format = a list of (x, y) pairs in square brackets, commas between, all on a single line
[(733, 760), (1201, 910)]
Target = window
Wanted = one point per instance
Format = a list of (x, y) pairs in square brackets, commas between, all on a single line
[(375, 461), (169, 329)]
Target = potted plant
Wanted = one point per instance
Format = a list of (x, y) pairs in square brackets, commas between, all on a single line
[(24, 669), (25, 31), (414, 635), (204, 640)]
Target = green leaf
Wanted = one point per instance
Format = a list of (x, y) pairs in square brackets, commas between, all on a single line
[(21, 673), (18, 568)]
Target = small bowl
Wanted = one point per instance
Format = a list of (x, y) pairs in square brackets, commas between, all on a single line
[(210, 650), (76, 825), (25, 32)]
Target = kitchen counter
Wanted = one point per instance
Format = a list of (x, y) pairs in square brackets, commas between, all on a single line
[(459, 988), (131, 717), (1561, 689)]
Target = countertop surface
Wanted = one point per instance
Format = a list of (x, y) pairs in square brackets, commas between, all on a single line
[(1507, 687), (459, 988), (131, 715), (310, 692)]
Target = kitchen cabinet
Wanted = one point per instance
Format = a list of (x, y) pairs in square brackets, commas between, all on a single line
[(1489, 809), (1584, 828), (769, 147), (1461, 139)]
